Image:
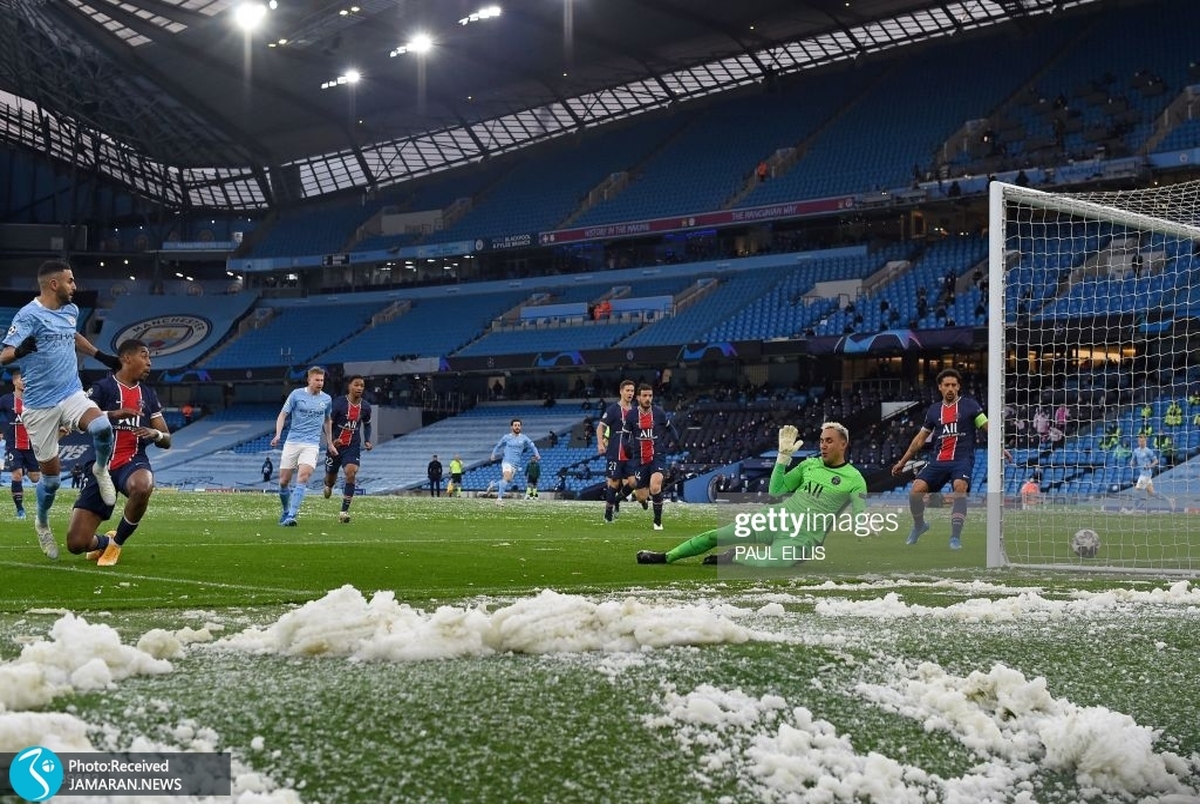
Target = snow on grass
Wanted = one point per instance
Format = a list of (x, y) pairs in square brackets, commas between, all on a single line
[(1002, 714), (1021, 606), (82, 657), (77, 656), (768, 745), (345, 623), (780, 752)]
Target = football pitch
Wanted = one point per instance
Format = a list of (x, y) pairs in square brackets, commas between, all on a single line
[(459, 651)]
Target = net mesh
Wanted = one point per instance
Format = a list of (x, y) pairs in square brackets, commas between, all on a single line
[(1101, 380)]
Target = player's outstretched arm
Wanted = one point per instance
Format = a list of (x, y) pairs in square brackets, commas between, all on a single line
[(913, 448), (84, 346)]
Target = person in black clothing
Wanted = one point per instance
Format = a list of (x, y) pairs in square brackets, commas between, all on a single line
[(434, 471)]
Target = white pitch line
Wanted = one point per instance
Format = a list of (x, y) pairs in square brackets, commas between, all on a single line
[(110, 577)]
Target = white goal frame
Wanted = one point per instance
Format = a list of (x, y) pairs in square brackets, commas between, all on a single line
[(1000, 194)]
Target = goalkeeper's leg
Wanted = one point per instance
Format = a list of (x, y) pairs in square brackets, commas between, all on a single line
[(698, 545)]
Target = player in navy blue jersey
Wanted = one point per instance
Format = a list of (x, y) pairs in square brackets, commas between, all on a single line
[(136, 415), (647, 464), (19, 459), (613, 441), (952, 423), (351, 434)]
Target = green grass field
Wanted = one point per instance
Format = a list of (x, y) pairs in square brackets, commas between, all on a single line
[(885, 672)]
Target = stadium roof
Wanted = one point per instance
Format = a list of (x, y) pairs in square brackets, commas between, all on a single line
[(172, 99)]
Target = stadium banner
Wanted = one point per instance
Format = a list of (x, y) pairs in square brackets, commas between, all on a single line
[(649, 356), (199, 245), (893, 340), (725, 217), (256, 265), (522, 240), (177, 329)]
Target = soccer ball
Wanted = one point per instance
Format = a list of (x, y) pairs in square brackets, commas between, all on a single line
[(1085, 543)]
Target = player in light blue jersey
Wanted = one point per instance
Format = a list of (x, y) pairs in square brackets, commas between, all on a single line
[(44, 337), (511, 448), (1145, 460), (310, 410)]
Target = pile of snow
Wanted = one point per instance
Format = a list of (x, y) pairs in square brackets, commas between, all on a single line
[(1023, 605), (777, 752), (77, 656), (774, 751), (344, 623), (1001, 713)]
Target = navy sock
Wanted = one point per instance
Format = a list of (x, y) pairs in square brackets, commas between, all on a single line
[(958, 516), (125, 529)]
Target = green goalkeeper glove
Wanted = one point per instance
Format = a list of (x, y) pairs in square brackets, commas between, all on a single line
[(788, 443)]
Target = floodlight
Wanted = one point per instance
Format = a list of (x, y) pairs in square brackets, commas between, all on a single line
[(249, 15), (353, 76), (420, 44)]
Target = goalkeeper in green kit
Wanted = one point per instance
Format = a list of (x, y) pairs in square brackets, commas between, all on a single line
[(826, 492)]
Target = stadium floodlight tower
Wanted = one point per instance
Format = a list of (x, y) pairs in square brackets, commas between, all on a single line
[(1094, 332)]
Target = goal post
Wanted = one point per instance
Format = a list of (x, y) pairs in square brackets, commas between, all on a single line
[(1093, 342)]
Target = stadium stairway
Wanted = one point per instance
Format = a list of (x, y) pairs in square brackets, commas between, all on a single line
[(400, 464), (227, 452), (210, 435)]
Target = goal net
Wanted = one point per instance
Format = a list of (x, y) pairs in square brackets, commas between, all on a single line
[(1094, 371)]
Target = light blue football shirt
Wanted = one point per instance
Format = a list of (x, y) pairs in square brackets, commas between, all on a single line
[(308, 413), (514, 446), (1143, 457), (52, 372)]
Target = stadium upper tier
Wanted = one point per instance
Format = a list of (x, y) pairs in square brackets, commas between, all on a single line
[(832, 133), (1092, 271)]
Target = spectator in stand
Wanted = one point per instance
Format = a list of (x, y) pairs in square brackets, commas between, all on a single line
[(1062, 417)]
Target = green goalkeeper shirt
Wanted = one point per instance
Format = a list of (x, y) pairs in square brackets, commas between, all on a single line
[(820, 494)]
